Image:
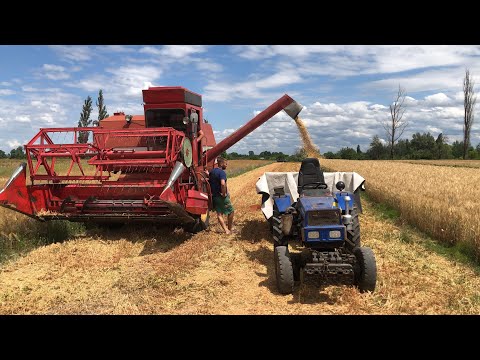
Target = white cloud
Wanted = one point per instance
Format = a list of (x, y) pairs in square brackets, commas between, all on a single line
[(150, 50), (279, 79), (22, 118), (336, 125), (432, 80), (28, 88), (73, 52), (14, 143), (54, 72), (116, 48), (6, 92), (180, 51), (209, 66), (250, 89), (438, 99)]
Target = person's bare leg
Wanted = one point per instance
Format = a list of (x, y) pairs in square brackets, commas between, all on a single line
[(230, 220), (222, 223)]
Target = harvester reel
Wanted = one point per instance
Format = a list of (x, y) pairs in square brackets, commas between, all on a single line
[(187, 152)]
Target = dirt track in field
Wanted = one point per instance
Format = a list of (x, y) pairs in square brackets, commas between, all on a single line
[(165, 271)]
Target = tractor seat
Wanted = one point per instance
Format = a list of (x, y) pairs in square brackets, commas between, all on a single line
[(310, 172)]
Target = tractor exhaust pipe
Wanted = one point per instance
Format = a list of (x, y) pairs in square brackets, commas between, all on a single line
[(291, 107)]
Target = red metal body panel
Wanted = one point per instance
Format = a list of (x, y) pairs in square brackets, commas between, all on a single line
[(166, 94), (15, 195), (197, 202)]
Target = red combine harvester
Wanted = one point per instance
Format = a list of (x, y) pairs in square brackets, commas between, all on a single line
[(135, 168)]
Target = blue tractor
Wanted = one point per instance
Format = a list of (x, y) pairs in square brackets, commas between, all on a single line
[(322, 222)]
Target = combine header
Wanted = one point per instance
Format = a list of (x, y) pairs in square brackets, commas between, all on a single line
[(131, 168)]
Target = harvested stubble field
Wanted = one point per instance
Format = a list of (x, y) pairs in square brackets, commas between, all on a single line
[(165, 271)]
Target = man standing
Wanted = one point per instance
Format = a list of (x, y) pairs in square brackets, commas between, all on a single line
[(221, 198)]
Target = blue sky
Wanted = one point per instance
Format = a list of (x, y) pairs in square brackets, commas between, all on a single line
[(345, 90)]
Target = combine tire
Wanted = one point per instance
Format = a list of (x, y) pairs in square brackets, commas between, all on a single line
[(354, 235), (283, 270), (201, 223), (365, 269)]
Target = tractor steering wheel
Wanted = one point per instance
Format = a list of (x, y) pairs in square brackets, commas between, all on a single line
[(316, 185)]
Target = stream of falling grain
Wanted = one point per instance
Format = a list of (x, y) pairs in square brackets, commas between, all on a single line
[(310, 148)]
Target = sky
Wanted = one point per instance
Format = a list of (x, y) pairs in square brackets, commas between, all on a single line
[(345, 90)]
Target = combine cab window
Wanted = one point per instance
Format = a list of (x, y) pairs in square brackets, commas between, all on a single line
[(166, 118)]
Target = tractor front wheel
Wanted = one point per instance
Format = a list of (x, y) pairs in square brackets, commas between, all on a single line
[(296, 259), (365, 269), (353, 235), (283, 270)]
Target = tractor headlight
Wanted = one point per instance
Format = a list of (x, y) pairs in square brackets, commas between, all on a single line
[(335, 234), (313, 234)]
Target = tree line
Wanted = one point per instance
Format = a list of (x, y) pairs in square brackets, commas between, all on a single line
[(299, 155), (420, 146)]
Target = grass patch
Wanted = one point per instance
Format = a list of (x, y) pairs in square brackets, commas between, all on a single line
[(34, 235)]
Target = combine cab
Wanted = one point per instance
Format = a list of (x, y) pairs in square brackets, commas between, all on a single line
[(142, 168)]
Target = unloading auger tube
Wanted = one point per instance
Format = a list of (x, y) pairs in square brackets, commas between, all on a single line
[(291, 107)]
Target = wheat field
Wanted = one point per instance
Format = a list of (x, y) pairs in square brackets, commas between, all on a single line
[(442, 201)]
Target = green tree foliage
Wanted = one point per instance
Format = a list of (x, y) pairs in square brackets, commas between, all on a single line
[(457, 149), (442, 149), (330, 155), (376, 150), (299, 155), (224, 155), (102, 109), (402, 149), (422, 146), (2, 154), (17, 153), (85, 120), (348, 153)]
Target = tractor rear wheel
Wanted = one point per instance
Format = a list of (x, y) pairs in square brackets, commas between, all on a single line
[(278, 237), (365, 269), (353, 235), (283, 270)]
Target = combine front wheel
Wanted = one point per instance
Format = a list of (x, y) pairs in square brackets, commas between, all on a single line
[(201, 223)]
